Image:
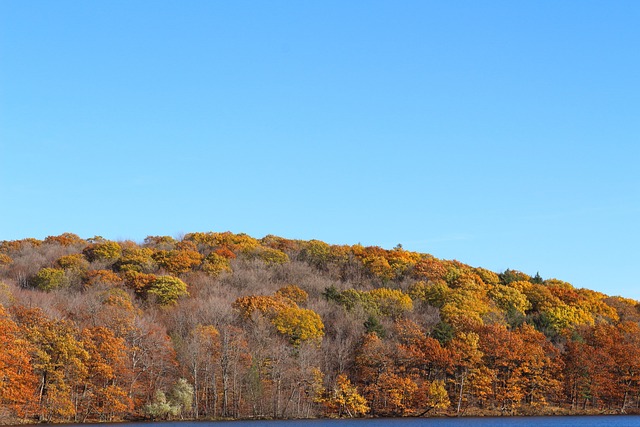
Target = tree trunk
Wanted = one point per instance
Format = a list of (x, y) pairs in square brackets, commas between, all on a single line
[(460, 395)]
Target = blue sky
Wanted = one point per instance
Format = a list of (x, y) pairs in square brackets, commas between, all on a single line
[(502, 134)]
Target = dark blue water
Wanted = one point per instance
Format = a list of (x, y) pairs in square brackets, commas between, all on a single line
[(569, 421)]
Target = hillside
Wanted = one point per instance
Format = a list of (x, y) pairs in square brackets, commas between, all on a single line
[(222, 325)]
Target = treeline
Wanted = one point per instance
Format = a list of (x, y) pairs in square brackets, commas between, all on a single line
[(222, 325)]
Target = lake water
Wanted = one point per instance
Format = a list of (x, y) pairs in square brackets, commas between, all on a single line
[(569, 421)]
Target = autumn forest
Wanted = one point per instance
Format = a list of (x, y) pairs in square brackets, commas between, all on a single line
[(221, 325)]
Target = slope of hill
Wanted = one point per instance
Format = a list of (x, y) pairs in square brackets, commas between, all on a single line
[(222, 325)]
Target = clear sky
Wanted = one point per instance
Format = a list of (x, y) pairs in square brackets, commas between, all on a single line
[(504, 134)]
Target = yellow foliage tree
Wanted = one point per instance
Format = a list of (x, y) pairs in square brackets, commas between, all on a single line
[(76, 263), (178, 261), (294, 293), (433, 293), (106, 251), (437, 397), (272, 256), (465, 308), (5, 259), (391, 302), (267, 305), (299, 325), (215, 264), (345, 399), (167, 289), (48, 279), (509, 299), (137, 259)]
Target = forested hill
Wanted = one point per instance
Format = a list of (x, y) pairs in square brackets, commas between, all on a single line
[(222, 325)]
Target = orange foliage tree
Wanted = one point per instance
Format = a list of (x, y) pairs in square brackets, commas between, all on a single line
[(17, 380), (59, 361), (104, 396)]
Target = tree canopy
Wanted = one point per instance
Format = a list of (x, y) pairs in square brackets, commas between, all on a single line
[(219, 324)]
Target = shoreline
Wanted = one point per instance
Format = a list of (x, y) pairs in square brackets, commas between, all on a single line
[(560, 413)]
